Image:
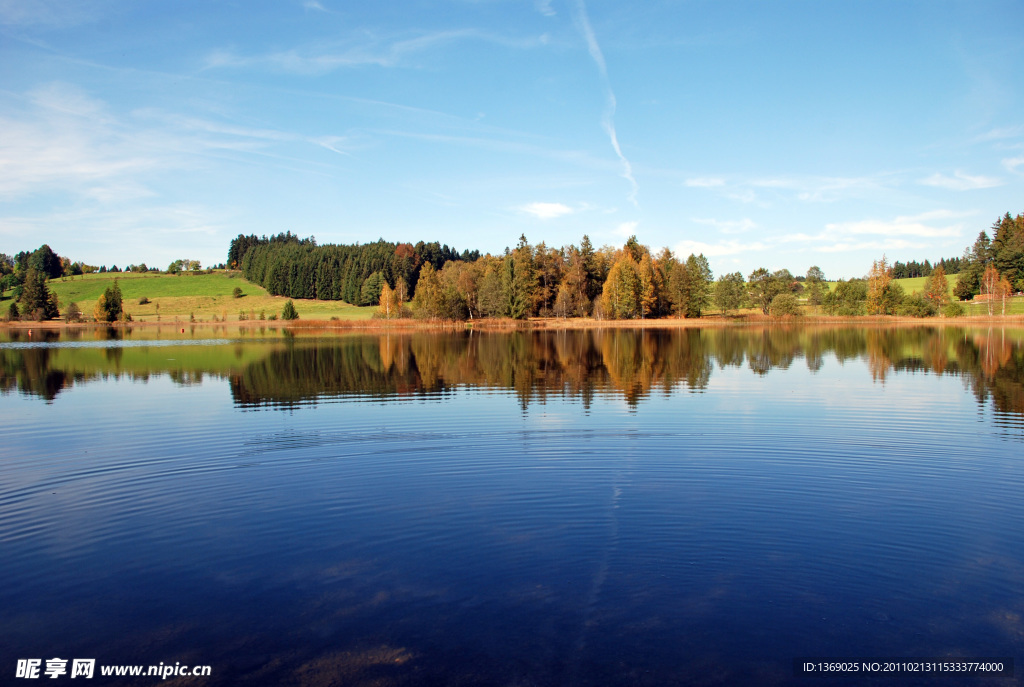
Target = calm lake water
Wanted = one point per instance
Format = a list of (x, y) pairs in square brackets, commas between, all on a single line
[(534, 508)]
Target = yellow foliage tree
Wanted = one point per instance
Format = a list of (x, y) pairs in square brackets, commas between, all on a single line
[(937, 289), (879, 279), (390, 306)]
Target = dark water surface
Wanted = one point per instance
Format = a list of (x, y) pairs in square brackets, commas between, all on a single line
[(549, 508)]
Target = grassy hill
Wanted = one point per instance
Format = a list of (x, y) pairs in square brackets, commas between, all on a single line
[(201, 295)]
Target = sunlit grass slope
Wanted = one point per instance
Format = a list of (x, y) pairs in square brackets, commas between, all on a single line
[(203, 296)]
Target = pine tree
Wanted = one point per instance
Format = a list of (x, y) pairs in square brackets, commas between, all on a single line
[(289, 312), (37, 301)]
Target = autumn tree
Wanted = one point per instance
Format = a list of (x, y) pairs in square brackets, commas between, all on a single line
[(390, 307), (576, 281), (884, 296), (990, 287), (427, 300), (1004, 291), (401, 290), (621, 294), (564, 306), (649, 288), (937, 288), (548, 266)]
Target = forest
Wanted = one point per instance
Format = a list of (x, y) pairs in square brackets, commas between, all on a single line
[(631, 282), (434, 281)]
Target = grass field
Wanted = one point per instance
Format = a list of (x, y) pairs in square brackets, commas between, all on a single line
[(203, 296)]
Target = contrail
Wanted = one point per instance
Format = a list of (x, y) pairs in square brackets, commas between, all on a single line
[(608, 120)]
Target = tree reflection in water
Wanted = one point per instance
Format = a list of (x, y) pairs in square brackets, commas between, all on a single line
[(535, 365)]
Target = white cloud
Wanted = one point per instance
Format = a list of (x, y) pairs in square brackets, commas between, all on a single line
[(960, 181), (730, 247), (367, 51), (1011, 164), (819, 189), (705, 182), (547, 210), (728, 226), (154, 233), (626, 229), (1000, 133), (874, 246), (897, 227), (544, 7), (65, 139)]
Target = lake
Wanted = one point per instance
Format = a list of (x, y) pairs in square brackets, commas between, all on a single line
[(599, 507)]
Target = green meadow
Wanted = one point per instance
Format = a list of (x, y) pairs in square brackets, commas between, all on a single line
[(203, 296)]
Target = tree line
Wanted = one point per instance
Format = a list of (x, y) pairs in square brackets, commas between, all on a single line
[(632, 282), (286, 265)]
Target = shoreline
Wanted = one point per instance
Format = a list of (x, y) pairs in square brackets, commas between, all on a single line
[(541, 324)]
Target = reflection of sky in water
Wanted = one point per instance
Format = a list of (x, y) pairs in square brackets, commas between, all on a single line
[(458, 536)]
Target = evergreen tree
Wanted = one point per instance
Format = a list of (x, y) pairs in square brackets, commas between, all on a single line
[(37, 301), (289, 312), (109, 305)]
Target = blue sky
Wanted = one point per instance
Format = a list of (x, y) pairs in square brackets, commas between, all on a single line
[(776, 134)]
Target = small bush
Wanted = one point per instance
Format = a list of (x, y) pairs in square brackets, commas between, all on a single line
[(915, 305), (784, 304), (273, 316), (954, 310), (237, 292), (143, 301), (73, 313)]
